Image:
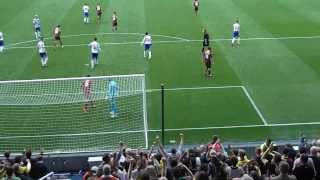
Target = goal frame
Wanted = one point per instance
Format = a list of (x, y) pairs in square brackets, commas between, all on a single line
[(144, 104)]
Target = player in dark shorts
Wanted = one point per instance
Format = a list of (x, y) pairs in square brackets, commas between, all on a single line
[(99, 12), (57, 36), (206, 38), (208, 57), (196, 5), (114, 21)]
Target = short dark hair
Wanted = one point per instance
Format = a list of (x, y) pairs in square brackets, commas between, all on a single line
[(106, 157), (234, 160), (303, 150), (95, 38), (18, 159), (214, 138), (7, 154), (28, 154), (147, 33), (173, 151)]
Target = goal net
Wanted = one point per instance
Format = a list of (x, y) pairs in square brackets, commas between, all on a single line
[(73, 114)]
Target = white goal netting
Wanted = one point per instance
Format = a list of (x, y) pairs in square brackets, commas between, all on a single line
[(73, 114)]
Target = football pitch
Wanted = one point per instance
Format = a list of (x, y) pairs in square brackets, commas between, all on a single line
[(268, 87)]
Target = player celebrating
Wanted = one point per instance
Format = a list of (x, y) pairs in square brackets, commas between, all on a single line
[(236, 34), (206, 38), (85, 10), (86, 87), (95, 49), (147, 42), (36, 26), (57, 36), (112, 94), (99, 12), (196, 5), (43, 53), (114, 22), (208, 56), (1, 42)]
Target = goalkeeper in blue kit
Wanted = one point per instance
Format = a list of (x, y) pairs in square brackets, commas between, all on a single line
[(112, 94)]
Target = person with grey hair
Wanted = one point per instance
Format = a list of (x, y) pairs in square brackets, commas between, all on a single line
[(284, 171)]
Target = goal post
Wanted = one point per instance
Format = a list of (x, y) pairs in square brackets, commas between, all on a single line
[(73, 114)]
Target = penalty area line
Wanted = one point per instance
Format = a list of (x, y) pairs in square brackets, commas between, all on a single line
[(244, 89), (177, 40)]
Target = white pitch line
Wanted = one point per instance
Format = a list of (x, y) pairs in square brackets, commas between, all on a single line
[(194, 88), (179, 40), (94, 34), (254, 105), (158, 130), (234, 127)]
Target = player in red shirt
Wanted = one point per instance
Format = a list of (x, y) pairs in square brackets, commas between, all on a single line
[(208, 60), (86, 87), (57, 36)]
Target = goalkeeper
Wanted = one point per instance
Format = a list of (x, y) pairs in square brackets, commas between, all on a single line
[(112, 94)]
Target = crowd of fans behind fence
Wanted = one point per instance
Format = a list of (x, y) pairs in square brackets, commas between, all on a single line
[(206, 162)]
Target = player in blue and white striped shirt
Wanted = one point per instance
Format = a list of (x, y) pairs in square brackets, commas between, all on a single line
[(85, 10), (236, 33), (95, 49), (112, 94), (147, 42), (36, 26), (43, 53)]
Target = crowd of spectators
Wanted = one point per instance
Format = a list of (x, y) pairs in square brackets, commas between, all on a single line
[(210, 162), (206, 162), (22, 167)]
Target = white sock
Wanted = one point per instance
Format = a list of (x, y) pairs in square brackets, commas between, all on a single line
[(239, 40), (149, 54), (233, 39), (1, 48), (42, 62), (36, 35), (46, 60), (84, 20), (144, 54), (92, 63)]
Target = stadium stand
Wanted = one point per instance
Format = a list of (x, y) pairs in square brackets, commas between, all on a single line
[(210, 161)]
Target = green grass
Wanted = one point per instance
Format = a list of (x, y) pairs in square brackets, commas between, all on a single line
[(281, 76)]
